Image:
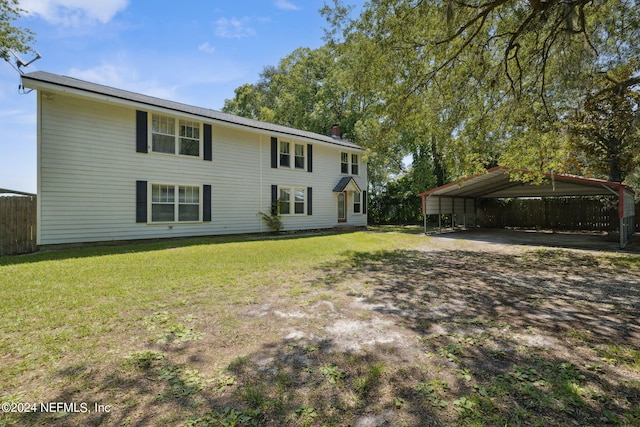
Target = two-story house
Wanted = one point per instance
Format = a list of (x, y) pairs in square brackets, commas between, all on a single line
[(118, 165)]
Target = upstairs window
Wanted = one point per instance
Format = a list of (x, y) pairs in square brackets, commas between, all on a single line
[(285, 154), (189, 142), (163, 134), (344, 163), (349, 163), (299, 156), (175, 136)]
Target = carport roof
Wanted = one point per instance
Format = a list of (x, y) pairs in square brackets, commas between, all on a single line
[(497, 183)]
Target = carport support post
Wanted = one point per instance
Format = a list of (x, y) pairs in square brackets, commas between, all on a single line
[(440, 214), (424, 217), (465, 213), (453, 212)]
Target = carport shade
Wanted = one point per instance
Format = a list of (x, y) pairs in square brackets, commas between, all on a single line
[(496, 183)]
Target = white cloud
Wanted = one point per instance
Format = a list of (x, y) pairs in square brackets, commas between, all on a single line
[(74, 12), (286, 5), (121, 76), (206, 48), (105, 74), (234, 28)]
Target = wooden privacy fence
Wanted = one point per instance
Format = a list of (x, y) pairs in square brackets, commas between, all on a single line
[(18, 225), (551, 213)]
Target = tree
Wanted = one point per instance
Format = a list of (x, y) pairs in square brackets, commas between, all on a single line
[(311, 89), (607, 132), (493, 79), (12, 38)]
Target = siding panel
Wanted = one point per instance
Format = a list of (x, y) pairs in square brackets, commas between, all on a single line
[(89, 169)]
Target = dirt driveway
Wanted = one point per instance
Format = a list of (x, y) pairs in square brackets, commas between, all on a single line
[(596, 241)]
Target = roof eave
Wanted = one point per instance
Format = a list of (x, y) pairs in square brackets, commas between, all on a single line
[(33, 82)]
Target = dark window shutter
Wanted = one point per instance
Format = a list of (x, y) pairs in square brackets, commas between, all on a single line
[(141, 201), (309, 158), (142, 139), (364, 202), (274, 200), (206, 200), (309, 200), (274, 152), (207, 135)]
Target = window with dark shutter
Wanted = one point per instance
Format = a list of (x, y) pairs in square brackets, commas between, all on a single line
[(309, 200), (206, 200), (274, 152), (208, 144), (274, 200), (364, 202), (141, 131), (141, 201), (309, 158)]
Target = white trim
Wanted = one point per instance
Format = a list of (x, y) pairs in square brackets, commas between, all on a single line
[(34, 83), (176, 203), (349, 163), (292, 202), (176, 136), (292, 155)]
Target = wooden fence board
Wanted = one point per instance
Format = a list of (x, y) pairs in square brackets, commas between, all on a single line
[(552, 213), (18, 225)]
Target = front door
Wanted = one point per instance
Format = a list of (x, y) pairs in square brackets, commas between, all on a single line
[(342, 207)]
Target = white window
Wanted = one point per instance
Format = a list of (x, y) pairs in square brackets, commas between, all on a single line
[(163, 201), (175, 136), (166, 207), (349, 162), (344, 163), (299, 160), (299, 156), (189, 141), (292, 201), (357, 203), (285, 154)]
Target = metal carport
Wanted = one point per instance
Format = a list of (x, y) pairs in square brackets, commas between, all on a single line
[(460, 198)]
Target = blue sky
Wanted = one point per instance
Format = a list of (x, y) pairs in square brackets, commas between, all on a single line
[(192, 51)]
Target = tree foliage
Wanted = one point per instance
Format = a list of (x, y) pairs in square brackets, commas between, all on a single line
[(495, 81), (12, 38), (461, 86), (606, 133)]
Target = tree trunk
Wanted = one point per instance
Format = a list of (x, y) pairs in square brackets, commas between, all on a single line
[(438, 166)]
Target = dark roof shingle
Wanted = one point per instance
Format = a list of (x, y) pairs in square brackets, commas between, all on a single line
[(69, 82)]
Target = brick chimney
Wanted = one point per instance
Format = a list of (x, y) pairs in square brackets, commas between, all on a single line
[(335, 131)]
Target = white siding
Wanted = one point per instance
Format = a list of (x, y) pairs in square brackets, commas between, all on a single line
[(88, 169)]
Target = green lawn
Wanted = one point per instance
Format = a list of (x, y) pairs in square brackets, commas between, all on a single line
[(330, 329)]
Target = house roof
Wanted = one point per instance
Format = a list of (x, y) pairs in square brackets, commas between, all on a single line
[(497, 183), (40, 80), (345, 182)]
